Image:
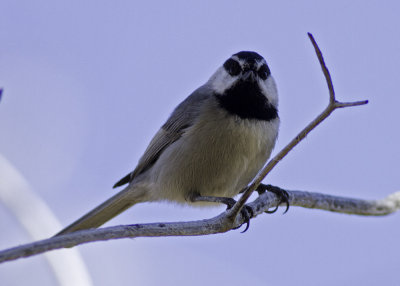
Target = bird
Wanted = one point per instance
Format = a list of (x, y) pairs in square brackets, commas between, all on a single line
[(209, 149)]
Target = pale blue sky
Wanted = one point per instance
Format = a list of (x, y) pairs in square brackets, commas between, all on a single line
[(88, 83)]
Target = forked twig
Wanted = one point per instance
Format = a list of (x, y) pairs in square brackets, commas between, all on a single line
[(333, 104), (324, 68), (230, 218)]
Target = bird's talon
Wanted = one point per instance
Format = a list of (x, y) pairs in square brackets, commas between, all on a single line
[(282, 195), (287, 207), (247, 213), (247, 226)]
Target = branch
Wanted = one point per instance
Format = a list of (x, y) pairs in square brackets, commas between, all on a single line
[(218, 224), (333, 105), (232, 218)]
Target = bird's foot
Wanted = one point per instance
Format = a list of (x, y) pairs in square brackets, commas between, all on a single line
[(247, 213), (280, 193)]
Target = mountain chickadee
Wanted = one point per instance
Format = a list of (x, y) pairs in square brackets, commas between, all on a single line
[(210, 148)]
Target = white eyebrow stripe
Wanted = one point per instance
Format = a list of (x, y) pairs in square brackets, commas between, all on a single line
[(259, 63)]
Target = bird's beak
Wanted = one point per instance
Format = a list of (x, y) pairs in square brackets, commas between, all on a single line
[(249, 76)]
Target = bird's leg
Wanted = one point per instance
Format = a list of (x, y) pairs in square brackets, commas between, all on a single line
[(282, 195), (229, 202), (246, 211)]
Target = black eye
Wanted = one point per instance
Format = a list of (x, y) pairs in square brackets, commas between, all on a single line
[(264, 72), (232, 67)]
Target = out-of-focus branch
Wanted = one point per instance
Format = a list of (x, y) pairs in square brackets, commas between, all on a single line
[(37, 219)]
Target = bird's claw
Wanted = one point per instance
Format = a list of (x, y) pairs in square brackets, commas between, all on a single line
[(280, 193), (247, 213)]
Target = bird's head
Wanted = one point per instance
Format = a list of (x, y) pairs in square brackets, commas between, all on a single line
[(245, 87)]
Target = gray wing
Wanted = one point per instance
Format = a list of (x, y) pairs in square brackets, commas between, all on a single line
[(181, 118)]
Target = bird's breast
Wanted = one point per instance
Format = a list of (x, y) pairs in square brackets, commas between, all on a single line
[(217, 156)]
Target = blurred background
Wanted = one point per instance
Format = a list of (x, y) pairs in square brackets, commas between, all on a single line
[(88, 83)]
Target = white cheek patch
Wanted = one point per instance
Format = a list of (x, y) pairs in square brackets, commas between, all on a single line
[(221, 80), (269, 89)]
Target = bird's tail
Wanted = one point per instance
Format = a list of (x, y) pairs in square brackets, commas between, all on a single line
[(106, 211)]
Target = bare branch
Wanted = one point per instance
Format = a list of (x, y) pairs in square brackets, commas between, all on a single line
[(349, 104), (218, 224), (333, 104), (231, 218), (324, 69)]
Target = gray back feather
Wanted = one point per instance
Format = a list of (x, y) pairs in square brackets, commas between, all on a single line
[(184, 115)]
